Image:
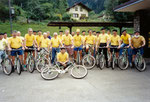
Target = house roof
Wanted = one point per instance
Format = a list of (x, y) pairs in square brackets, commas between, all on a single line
[(133, 5), (80, 3)]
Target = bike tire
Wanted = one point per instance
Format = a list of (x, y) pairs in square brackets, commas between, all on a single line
[(85, 62), (7, 66), (120, 62), (49, 73), (18, 66), (140, 67), (101, 62), (41, 64), (31, 65), (79, 72), (113, 64)]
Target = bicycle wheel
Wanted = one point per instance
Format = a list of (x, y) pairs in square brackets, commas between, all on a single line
[(101, 62), (79, 72), (88, 62), (113, 63), (140, 63), (18, 66), (123, 62), (31, 65), (97, 60), (7, 66), (49, 73), (42, 63)]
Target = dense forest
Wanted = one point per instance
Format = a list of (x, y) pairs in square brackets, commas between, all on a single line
[(55, 10)]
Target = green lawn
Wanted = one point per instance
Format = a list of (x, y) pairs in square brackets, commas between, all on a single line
[(5, 27)]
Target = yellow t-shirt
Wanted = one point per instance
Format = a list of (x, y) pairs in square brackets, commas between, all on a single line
[(96, 39), (45, 42), (67, 40), (3, 44), (125, 38), (29, 39), (39, 39), (15, 42), (22, 38), (115, 40), (103, 38), (60, 37), (55, 42), (83, 38), (62, 57), (77, 40), (137, 42), (90, 39)]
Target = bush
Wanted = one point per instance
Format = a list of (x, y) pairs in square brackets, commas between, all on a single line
[(66, 17), (21, 19)]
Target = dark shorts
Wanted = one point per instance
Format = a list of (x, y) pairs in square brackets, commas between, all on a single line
[(18, 51), (114, 49), (78, 48), (29, 50), (135, 51)]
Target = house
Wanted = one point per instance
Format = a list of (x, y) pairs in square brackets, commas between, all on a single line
[(141, 10), (79, 11)]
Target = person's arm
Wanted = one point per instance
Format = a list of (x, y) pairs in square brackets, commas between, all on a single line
[(144, 42), (129, 42), (67, 59), (108, 41)]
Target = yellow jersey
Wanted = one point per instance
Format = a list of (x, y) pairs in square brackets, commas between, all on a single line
[(29, 39), (115, 40), (103, 38), (77, 39), (15, 42), (90, 39), (125, 38), (39, 39), (45, 42), (137, 42), (3, 44), (67, 40), (60, 37), (55, 42), (62, 57)]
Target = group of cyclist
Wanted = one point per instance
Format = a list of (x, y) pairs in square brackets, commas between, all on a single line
[(71, 44)]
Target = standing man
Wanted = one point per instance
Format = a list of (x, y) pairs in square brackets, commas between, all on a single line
[(137, 43), (60, 36), (39, 37), (126, 42), (104, 42), (78, 44), (67, 41), (90, 42), (55, 44), (17, 46), (30, 42), (48, 35)]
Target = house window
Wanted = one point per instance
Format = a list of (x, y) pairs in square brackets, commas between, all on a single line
[(75, 15), (76, 8), (81, 9)]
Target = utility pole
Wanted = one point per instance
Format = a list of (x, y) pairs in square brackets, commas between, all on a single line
[(10, 16)]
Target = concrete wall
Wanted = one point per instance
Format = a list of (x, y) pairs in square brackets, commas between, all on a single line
[(84, 11)]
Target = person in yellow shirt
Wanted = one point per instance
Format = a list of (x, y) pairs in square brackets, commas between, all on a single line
[(73, 33), (90, 41), (39, 37), (63, 58), (55, 43), (78, 44), (115, 42), (30, 43), (67, 41), (103, 41), (126, 42), (17, 47), (83, 36), (137, 44), (60, 36)]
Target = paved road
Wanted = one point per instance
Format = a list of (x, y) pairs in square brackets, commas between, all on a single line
[(99, 86)]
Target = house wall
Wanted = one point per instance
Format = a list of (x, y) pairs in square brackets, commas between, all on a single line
[(72, 11), (141, 23)]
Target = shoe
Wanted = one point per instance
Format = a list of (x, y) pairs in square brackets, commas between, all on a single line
[(24, 67), (130, 65)]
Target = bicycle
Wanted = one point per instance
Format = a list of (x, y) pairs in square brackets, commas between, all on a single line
[(42, 60), (139, 61), (17, 62), (88, 60), (123, 62), (30, 60), (6, 64), (76, 71)]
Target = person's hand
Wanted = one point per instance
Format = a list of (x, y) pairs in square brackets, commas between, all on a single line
[(72, 47), (23, 48), (38, 48), (9, 49), (118, 47), (51, 48), (26, 47), (128, 46), (132, 47), (93, 48), (107, 46)]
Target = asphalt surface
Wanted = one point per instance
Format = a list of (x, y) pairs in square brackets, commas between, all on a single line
[(99, 86)]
